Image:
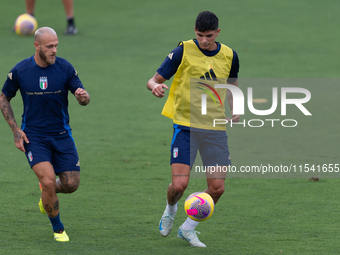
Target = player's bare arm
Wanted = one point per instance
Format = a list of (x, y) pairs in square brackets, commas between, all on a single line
[(156, 85), (82, 96), (234, 118), (7, 112)]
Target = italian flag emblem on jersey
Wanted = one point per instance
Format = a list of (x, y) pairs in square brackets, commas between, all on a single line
[(43, 83)]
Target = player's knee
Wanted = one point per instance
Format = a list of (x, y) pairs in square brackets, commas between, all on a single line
[(216, 192), (72, 187), (179, 187), (68, 181), (48, 185)]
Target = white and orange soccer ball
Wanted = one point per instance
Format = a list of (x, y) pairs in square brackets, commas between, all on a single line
[(199, 206), (25, 24)]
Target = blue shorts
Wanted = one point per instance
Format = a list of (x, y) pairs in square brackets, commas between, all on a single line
[(213, 147), (60, 152)]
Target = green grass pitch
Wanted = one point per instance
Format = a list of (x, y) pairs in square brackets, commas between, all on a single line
[(123, 141)]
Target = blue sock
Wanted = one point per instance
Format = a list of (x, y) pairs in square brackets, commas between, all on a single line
[(56, 224)]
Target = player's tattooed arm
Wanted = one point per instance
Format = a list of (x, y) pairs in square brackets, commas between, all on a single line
[(156, 85), (159, 78), (7, 112)]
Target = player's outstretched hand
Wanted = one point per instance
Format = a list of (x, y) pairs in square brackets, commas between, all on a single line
[(82, 96), (19, 139), (158, 90)]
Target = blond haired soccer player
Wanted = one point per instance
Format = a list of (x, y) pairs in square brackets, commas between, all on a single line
[(197, 65), (45, 137)]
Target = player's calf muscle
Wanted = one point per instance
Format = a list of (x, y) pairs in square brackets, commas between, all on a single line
[(174, 193), (56, 205), (49, 209)]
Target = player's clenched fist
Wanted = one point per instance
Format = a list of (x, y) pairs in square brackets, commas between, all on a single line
[(82, 96)]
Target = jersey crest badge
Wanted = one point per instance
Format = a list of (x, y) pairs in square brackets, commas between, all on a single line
[(43, 83), (175, 153)]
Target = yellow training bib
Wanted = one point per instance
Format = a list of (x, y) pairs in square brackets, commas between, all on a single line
[(193, 101)]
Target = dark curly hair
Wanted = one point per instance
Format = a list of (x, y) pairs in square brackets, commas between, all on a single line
[(206, 21)]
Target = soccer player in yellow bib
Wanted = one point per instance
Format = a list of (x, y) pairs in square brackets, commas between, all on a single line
[(197, 65)]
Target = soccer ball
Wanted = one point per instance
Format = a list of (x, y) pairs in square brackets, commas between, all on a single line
[(25, 24), (199, 206)]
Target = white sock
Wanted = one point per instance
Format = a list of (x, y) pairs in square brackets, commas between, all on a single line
[(189, 224), (172, 209)]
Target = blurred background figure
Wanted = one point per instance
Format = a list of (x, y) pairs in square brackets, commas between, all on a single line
[(69, 11)]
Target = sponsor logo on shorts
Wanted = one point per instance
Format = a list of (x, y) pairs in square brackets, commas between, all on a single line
[(175, 153), (30, 157), (78, 163)]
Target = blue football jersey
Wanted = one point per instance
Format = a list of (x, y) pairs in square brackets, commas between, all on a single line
[(171, 63), (44, 92)]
